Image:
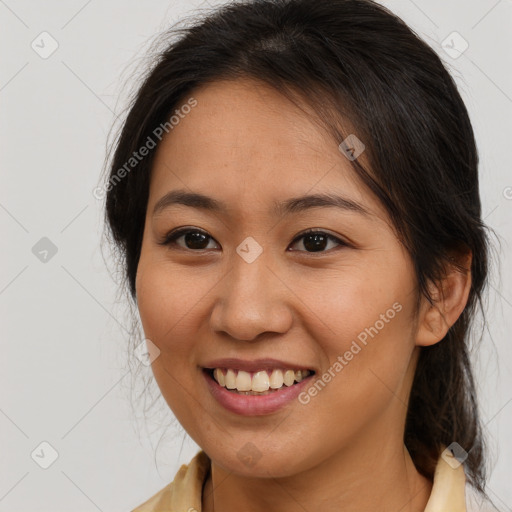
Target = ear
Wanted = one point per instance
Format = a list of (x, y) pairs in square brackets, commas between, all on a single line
[(449, 298)]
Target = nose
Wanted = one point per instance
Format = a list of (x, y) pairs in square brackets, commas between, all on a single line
[(251, 299)]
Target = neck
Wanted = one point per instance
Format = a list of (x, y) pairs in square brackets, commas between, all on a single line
[(352, 480)]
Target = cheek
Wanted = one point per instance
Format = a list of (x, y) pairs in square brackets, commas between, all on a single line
[(166, 300), (369, 346), (165, 306), (356, 304), (365, 385)]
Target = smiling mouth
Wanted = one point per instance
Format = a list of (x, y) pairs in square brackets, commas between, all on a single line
[(261, 382)]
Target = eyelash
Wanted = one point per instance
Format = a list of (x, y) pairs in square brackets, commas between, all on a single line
[(316, 231), (170, 239)]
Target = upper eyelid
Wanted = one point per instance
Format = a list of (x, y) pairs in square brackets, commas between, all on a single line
[(318, 230), (182, 231), (341, 241), (173, 235)]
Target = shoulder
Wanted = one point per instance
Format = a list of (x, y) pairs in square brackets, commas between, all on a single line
[(184, 492)]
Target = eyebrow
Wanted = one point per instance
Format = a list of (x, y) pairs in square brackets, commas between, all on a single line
[(299, 204), (283, 208), (185, 198)]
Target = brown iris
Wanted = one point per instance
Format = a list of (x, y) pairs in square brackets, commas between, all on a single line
[(315, 242)]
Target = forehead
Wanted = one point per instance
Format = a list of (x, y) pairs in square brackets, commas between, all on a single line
[(246, 143)]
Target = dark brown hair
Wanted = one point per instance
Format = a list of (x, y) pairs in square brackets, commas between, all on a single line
[(352, 61)]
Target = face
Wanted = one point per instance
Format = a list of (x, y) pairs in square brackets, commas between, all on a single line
[(245, 288)]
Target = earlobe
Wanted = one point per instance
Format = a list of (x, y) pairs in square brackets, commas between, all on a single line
[(449, 298)]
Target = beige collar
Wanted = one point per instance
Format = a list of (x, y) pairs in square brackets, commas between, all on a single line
[(449, 489)]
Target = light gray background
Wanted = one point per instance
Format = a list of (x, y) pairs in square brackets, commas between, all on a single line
[(63, 369)]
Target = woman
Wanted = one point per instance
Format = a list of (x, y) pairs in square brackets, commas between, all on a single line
[(294, 194)]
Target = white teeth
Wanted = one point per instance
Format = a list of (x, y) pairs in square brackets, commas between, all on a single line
[(276, 379), (260, 382), (243, 381), (219, 376), (230, 379), (289, 377)]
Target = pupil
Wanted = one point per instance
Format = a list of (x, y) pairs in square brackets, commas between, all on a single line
[(196, 240), (315, 242)]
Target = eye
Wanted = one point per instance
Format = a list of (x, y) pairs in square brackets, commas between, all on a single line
[(316, 241), (194, 239)]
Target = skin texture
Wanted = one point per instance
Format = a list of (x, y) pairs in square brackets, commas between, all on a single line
[(248, 146)]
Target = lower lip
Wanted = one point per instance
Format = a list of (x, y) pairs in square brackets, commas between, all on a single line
[(254, 405)]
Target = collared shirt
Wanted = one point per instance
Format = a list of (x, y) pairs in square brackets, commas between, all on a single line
[(184, 493)]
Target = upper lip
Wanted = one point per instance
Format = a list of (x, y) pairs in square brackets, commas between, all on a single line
[(255, 364)]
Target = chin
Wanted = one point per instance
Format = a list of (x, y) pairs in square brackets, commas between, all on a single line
[(250, 461)]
